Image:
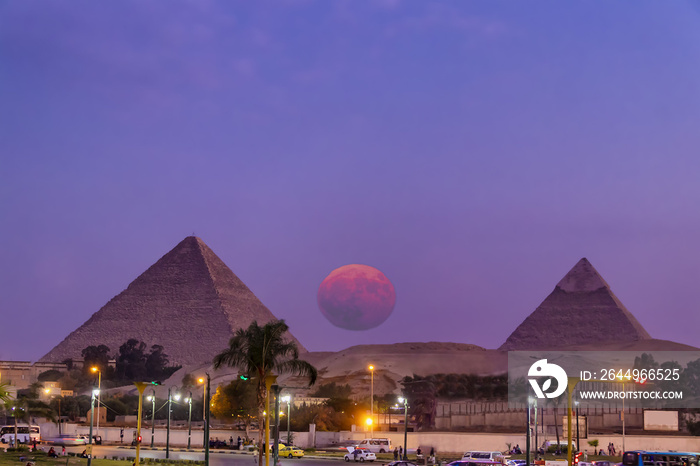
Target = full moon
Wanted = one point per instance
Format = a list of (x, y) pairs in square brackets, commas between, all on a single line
[(356, 297)]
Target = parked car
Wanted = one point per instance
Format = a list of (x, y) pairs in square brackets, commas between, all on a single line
[(359, 454), (216, 443), (401, 463), (290, 452)]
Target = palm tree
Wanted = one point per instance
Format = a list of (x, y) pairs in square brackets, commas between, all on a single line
[(260, 352), (4, 393), (24, 409)]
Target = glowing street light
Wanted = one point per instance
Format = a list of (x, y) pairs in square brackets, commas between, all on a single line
[(288, 400), (201, 380), (404, 400), (152, 399), (188, 400), (95, 393), (177, 397), (99, 387)]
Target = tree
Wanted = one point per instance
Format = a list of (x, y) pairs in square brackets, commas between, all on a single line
[(24, 409), (51, 375), (332, 390), (131, 362), (189, 380), (156, 362), (237, 402), (134, 364), (95, 356), (260, 352), (421, 393), (4, 393)]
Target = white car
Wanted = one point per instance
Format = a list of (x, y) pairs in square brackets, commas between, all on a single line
[(67, 440), (359, 454)]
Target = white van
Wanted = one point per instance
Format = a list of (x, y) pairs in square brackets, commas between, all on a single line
[(376, 445)]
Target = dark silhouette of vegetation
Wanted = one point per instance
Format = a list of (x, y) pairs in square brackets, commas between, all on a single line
[(332, 390), (423, 392), (134, 364), (50, 376), (96, 356), (236, 402)]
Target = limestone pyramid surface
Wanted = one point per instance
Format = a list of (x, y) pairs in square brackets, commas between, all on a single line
[(189, 302), (581, 310)]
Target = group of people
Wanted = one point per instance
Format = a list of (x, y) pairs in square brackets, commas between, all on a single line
[(516, 450), (399, 454), (235, 444), (611, 450), (52, 452)]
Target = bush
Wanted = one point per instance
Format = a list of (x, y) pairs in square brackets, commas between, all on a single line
[(19, 449), (310, 450), (554, 448), (693, 427)]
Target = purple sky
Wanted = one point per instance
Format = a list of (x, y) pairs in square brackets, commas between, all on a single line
[(472, 151)]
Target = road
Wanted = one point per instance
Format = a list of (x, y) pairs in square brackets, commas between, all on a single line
[(216, 457)]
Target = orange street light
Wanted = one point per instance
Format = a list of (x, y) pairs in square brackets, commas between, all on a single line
[(202, 380), (99, 387)]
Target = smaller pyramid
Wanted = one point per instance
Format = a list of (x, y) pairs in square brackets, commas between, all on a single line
[(581, 310)]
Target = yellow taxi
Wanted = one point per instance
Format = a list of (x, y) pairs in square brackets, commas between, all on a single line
[(290, 452)]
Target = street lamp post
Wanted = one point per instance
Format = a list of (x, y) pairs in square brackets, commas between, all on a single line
[(527, 439), (623, 418), (152, 399), (99, 387), (578, 440), (536, 426), (202, 380), (207, 394), (404, 400), (95, 392), (371, 399), (167, 435), (288, 400), (189, 422)]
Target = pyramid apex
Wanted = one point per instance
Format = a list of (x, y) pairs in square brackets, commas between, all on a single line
[(582, 277)]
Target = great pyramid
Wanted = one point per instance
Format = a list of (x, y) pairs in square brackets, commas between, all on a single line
[(581, 310), (189, 302)]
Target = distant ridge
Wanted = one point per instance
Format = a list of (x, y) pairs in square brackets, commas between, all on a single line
[(581, 310), (189, 302)]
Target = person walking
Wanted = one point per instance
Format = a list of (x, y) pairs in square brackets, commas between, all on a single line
[(396, 453)]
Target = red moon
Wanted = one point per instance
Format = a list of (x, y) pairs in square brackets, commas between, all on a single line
[(356, 297)]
